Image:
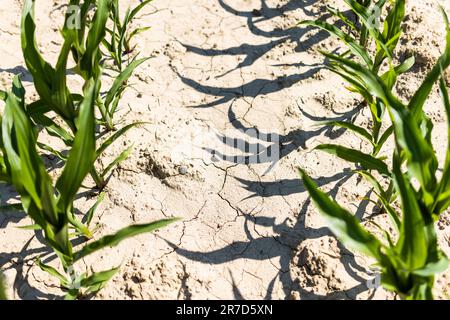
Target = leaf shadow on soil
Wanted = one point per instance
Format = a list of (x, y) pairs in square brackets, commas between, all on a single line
[(25, 76), (253, 52), (18, 260), (282, 146), (22, 260), (277, 36), (283, 246)]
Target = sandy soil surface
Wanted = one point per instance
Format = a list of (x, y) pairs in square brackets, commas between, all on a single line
[(249, 231)]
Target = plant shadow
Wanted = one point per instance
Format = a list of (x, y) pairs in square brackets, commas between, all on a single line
[(254, 52), (284, 244)]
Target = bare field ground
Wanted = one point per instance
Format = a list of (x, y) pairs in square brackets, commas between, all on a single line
[(249, 231)]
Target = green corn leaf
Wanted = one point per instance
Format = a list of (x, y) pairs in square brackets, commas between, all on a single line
[(335, 12), (90, 214), (90, 60), (354, 81), (421, 95), (391, 32), (79, 226), (384, 137), (373, 84), (121, 80), (41, 71), (389, 78), (405, 66), (367, 161), (54, 152), (137, 9), (341, 222), (81, 157), (30, 227), (27, 169), (367, 19), (362, 132), (422, 162), (125, 233), (412, 244), (442, 197), (354, 46), (61, 95), (433, 268), (72, 294), (2, 288), (54, 129), (52, 271), (38, 107), (383, 198), (115, 136), (393, 22), (98, 280), (123, 156), (137, 31)]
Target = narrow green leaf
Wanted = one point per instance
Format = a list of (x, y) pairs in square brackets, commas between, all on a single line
[(121, 79), (90, 213), (122, 156), (125, 233), (432, 268), (3, 296), (354, 46), (52, 271), (412, 244), (98, 280), (366, 161), (115, 136), (341, 222), (352, 127), (81, 157), (421, 95)]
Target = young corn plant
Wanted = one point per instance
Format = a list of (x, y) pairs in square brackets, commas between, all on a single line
[(410, 259), (89, 35), (81, 40), (51, 204), (119, 45), (109, 102), (360, 39)]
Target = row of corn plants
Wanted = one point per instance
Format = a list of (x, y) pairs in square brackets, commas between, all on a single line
[(372, 47), (71, 117), (410, 258)]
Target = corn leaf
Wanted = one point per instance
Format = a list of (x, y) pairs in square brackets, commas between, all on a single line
[(98, 280), (442, 200), (366, 161), (352, 44), (421, 95), (125, 233), (433, 268), (2, 288), (115, 136), (52, 271), (121, 80), (412, 244), (341, 222), (81, 157), (122, 157), (362, 132), (90, 213)]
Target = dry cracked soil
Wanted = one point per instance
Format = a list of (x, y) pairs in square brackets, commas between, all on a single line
[(223, 72)]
